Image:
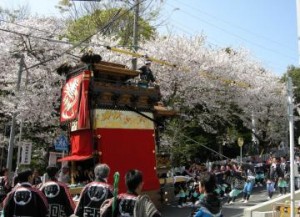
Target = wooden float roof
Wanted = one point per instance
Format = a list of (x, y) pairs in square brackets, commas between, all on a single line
[(115, 69)]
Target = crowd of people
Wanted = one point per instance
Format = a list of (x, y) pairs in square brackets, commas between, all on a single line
[(206, 187), (232, 180), (52, 198)]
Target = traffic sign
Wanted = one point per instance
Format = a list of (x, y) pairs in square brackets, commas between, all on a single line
[(240, 141), (61, 144)]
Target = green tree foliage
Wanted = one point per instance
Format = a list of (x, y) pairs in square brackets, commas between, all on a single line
[(189, 139), (122, 28)]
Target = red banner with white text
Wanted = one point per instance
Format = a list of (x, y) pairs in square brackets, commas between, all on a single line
[(75, 103), (70, 99)]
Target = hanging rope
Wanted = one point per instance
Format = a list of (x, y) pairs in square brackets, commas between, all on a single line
[(204, 74), (204, 146), (137, 55)]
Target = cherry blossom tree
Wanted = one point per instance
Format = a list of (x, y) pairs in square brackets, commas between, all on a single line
[(223, 84), (38, 98), (210, 87)]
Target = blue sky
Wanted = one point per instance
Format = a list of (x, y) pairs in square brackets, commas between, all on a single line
[(267, 28), (42, 7)]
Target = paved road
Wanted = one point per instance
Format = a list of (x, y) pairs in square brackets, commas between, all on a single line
[(259, 195)]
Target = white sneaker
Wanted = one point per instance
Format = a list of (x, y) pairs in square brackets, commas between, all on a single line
[(179, 206), (246, 201), (242, 200), (269, 198), (279, 195), (231, 202), (189, 204)]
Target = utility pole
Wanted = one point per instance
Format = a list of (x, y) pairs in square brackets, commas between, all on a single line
[(291, 120), (19, 146), (135, 33), (254, 139), (291, 127), (13, 122), (298, 25)]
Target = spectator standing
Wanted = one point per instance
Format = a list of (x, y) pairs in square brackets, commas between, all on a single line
[(58, 195), (5, 185), (284, 166), (25, 200), (275, 173), (270, 188), (282, 185), (79, 176), (4, 181), (93, 194), (275, 170), (64, 175), (297, 172), (36, 178)]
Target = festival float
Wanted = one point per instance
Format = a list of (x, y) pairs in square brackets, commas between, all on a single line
[(112, 120)]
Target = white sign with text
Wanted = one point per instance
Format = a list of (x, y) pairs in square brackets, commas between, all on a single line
[(26, 153)]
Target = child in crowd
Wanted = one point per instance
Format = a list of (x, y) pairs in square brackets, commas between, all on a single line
[(270, 188), (248, 186), (237, 188), (282, 185), (195, 194), (259, 175), (182, 196), (221, 186)]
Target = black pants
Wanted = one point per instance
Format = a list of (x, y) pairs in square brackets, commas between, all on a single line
[(282, 190), (231, 199), (246, 196), (181, 200)]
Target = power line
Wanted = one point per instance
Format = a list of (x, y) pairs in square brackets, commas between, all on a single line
[(137, 55), (28, 27), (46, 39), (236, 26), (37, 37), (228, 81), (115, 17), (190, 31), (63, 42), (235, 35)]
